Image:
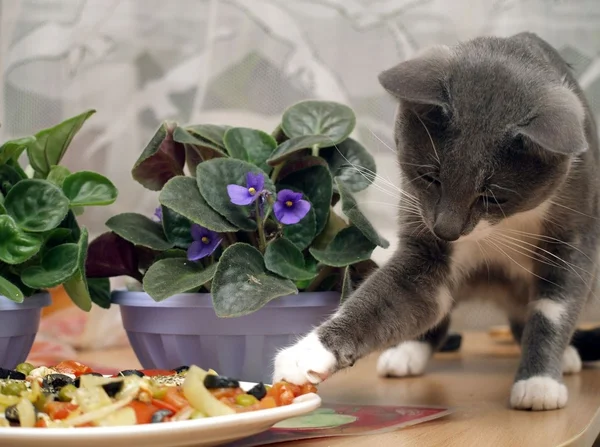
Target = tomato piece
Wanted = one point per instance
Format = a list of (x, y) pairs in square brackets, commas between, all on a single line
[(226, 392), (41, 423), (143, 411), (175, 398), (73, 367), (308, 388), (87, 424), (267, 402), (163, 405), (158, 372), (59, 410)]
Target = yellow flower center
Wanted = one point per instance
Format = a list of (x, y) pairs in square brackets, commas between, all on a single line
[(252, 191), (289, 203), (205, 240)]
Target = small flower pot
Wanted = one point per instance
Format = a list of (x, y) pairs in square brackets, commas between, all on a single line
[(184, 330), (19, 323)]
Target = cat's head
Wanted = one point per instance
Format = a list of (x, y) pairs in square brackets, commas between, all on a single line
[(482, 133)]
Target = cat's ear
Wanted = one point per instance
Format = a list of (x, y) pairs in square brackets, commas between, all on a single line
[(419, 80), (559, 123)]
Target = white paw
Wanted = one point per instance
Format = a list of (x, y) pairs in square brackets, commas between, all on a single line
[(538, 393), (571, 362), (306, 361), (407, 359)]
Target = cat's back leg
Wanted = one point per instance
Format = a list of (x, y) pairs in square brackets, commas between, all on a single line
[(410, 358)]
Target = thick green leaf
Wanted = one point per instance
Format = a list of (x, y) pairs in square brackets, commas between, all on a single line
[(36, 205), (58, 265), (16, 246), (70, 222), (347, 288), (243, 285), (176, 227), (293, 145), (347, 247), (10, 291), (182, 196), (12, 149), (99, 289), (283, 258), (197, 149), (57, 175), (351, 163), (162, 159), (87, 188), (213, 176), (9, 177), (76, 286), (168, 277), (210, 132), (331, 119), (316, 183), (58, 236), (350, 209), (334, 224), (51, 144), (139, 230), (254, 146)]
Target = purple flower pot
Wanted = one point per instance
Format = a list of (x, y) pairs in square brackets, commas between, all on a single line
[(184, 330), (19, 323)]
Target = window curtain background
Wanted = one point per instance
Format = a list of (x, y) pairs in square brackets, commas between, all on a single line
[(242, 62)]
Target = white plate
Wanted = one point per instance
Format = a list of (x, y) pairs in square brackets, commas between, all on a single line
[(199, 432)]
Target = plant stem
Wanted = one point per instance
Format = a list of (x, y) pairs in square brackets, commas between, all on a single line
[(315, 150), (262, 240), (276, 170), (324, 273)]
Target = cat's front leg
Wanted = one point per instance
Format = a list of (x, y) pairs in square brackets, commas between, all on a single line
[(398, 302)]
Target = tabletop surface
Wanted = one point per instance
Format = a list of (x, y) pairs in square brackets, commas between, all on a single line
[(475, 382)]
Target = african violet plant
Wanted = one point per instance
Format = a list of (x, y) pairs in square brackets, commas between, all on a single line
[(41, 244), (255, 220)]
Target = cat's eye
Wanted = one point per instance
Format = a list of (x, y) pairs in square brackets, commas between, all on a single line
[(491, 199), (429, 178)]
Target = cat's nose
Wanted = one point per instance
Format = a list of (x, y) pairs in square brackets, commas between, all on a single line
[(447, 226)]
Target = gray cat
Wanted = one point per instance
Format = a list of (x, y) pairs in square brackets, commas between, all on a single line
[(499, 154)]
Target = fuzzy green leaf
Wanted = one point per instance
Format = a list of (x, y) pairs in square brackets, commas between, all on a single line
[(347, 247), (283, 258), (177, 227), (12, 149), (36, 205), (254, 146), (87, 188), (302, 233), (181, 194), (170, 276), (331, 119), (51, 144), (76, 286), (243, 285), (197, 149), (58, 265), (10, 291), (210, 132), (347, 288), (350, 209), (213, 176), (293, 145), (57, 175), (351, 163), (139, 230), (99, 289), (9, 176), (16, 246)]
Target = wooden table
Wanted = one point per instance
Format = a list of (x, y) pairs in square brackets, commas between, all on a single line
[(476, 382)]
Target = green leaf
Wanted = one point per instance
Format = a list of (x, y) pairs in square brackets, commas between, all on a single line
[(293, 145), (58, 236), (242, 284), (351, 163), (350, 209), (51, 144), (302, 233), (176, 227), (316, 183), (181, 194), (213, 176), (197, 149), (9, 177), (331, 119), (99, 289), (12, 149), (57, 175), (254, 146), (334, 224), (139, 230), (10, 291), (36, 205), (347, 247), (210, 132), (16, 246), (162, 159), (70, 222), (76, 286), (57, 266), (171, 276), (87, 188), (347, 288), (284, 258)]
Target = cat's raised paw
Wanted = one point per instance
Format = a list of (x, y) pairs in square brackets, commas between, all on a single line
[(538, 393), (571, 363), (308, 361), (407, 359)]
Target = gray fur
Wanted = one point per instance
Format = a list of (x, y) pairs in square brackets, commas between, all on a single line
[(487, 130)]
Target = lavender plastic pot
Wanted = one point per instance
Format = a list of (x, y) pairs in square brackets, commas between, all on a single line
[(19, 323), (184, 330)]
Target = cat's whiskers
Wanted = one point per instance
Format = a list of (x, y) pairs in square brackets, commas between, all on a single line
[(571, 209), (545, 238), (496, 200), (418, 165), (372, 177), (506, 189), (484, 256), (407, 208), (381, 141), (437, 156)]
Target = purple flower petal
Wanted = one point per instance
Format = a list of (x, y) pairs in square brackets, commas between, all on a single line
[(301, 209), (287, 194), (200, 249), (195, 251), (256, 181), (197, 232), (158, 213), (239, 195), (279, 209)]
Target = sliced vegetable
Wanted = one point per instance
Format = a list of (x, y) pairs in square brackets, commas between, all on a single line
[(59, 410), (26, 413), (72, 367), (143, 411), (199, 397), (123, 416)]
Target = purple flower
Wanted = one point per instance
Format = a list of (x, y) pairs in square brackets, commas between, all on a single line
[(158, 213), (245, 195), (289, 207), (205, 243)]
